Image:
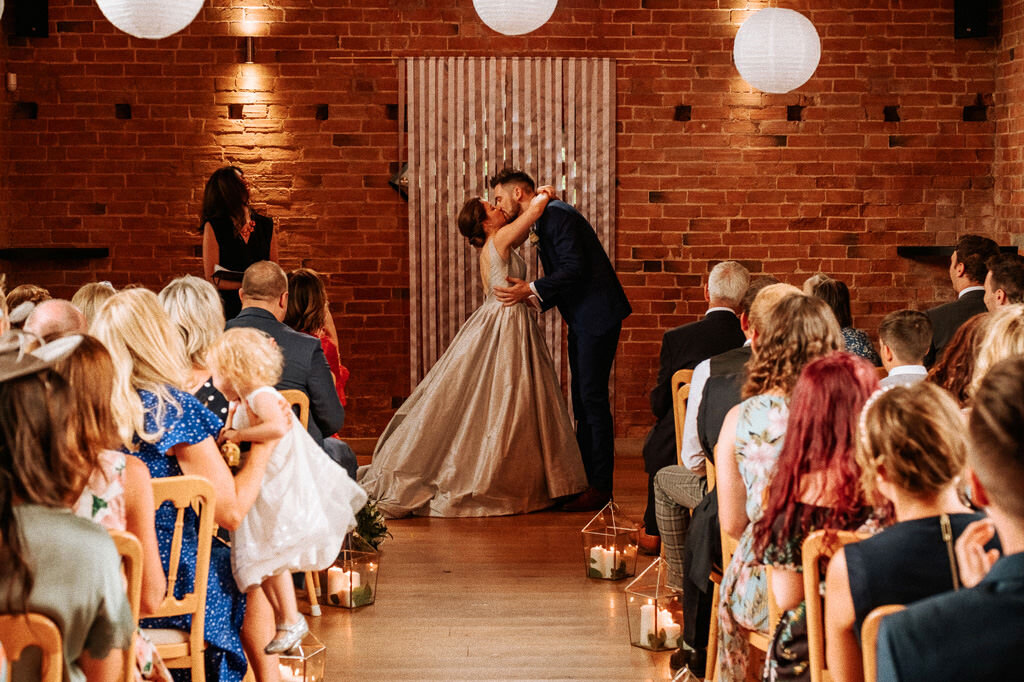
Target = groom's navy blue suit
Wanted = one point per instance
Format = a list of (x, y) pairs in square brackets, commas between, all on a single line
[(580, 281)]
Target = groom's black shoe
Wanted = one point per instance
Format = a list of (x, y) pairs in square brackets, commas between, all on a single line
[(590, 499)]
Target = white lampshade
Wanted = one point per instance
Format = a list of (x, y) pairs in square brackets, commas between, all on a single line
[(776, 50), (153, 19), (515, 17)]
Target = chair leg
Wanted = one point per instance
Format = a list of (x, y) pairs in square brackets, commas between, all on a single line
[(314, 602), (712, 657)]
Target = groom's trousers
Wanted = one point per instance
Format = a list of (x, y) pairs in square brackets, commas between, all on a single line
[(590, 361)]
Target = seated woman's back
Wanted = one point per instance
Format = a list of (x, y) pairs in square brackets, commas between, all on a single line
[(911, 450)]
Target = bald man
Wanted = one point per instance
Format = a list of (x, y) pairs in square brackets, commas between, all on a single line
[(54, 317)]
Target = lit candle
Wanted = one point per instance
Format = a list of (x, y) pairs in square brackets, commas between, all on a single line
[(289, 675), (669, 627), (601, 560), (340, 584), (647, 612)]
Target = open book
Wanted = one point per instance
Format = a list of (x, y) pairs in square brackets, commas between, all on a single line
[(227, 275)]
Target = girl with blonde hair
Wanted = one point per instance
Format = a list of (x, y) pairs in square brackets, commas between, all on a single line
[(306, 503), (1002, 338), (166, 427), (911, 450), (90, 297), (788, 335)]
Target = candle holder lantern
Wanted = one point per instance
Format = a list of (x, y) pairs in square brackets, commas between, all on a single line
[(305, 663), (610, 544), (653, 609), (352, 581)]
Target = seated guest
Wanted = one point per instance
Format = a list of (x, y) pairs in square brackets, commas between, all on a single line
[(91, 296), (119, 492), (683, 348), (309, 312), (798, 330), (911, 453), (51, 561), (975, 633), (837, 295), (1003, 338), (166, 427), (904, 337), (1004, 283), (54, 317), (22, 299), (195, 308), (967, 272), (815, 486), (955, 369), (264, 296)]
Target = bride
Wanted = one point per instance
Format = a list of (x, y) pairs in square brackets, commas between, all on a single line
[(486, 432)]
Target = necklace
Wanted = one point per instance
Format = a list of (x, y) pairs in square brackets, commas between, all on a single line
[(246, 230)]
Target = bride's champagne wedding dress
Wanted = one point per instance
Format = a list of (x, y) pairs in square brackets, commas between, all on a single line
[(486, 432)]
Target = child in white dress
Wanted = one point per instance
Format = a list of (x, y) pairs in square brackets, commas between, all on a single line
[(307, 503)]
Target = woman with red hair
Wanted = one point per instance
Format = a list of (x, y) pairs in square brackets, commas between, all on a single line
[(816, 485)]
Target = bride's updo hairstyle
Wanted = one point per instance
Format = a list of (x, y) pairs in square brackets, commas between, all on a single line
[(471, 222)]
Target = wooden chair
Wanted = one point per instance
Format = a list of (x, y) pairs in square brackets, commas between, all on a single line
[(680, 393), (815, 548), (130, 549), (20, 631), (178, 648), (300, 405), (869, 638), (716, 579)]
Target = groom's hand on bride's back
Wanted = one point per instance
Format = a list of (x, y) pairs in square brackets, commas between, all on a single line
[(517, 291)]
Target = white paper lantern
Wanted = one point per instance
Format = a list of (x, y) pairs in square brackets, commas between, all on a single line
[(515, 17), (776, 50), (153, 19)]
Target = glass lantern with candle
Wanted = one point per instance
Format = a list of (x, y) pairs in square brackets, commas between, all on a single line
[(352, 581), (304, 663), (654, 610), (610, 544)]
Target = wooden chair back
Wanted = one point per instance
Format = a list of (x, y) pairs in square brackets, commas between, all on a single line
[(716, 580), (820, 545), (181, 649), (869, 638), (130, 549), (20, 631), (298, 399), (680, 393)]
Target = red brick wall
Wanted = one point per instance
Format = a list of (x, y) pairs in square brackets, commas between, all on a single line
[(1009, 159), (836, 191)]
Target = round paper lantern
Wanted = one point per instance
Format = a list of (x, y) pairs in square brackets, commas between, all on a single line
[(514, 17), (776, 50), (153, 19)]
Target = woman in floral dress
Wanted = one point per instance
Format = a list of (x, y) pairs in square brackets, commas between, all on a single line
[(791, 329)]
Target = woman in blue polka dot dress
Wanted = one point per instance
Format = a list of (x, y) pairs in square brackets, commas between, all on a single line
[(169, 430)]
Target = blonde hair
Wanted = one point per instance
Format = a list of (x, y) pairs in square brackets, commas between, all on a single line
[(91, 296), (795, 331), (246, 357), (148, 354), (194, 307), (916, 433), (813, 281), (765, 300), (1003, 337)]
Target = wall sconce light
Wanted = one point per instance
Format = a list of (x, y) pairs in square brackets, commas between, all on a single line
[(249, 49)]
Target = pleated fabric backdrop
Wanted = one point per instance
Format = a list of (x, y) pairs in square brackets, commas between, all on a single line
[(468, 117)]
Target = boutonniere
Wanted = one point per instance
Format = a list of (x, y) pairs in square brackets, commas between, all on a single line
[(534, 237)]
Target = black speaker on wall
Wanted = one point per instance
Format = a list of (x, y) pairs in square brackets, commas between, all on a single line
[(970, 18), (31, 18)]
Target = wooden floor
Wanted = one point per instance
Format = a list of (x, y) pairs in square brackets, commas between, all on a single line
[(492, 599)]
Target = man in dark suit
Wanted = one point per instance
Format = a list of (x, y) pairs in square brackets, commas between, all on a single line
[(264, 296), (579, 279), (976, 633), (683, 348), (967, 271)]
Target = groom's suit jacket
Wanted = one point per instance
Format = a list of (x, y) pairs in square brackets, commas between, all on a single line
[(578, 277)]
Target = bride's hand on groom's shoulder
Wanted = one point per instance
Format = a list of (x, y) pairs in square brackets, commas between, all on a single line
[(549, 190)]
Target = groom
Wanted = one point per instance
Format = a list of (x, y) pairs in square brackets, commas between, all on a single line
[(580, 281)]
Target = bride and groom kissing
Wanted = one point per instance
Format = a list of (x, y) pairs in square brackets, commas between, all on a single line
[(486, 432)]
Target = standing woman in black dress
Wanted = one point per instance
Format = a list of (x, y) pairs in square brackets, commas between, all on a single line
[(234, 235)]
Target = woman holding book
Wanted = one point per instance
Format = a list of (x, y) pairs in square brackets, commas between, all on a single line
[(234, 235)]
